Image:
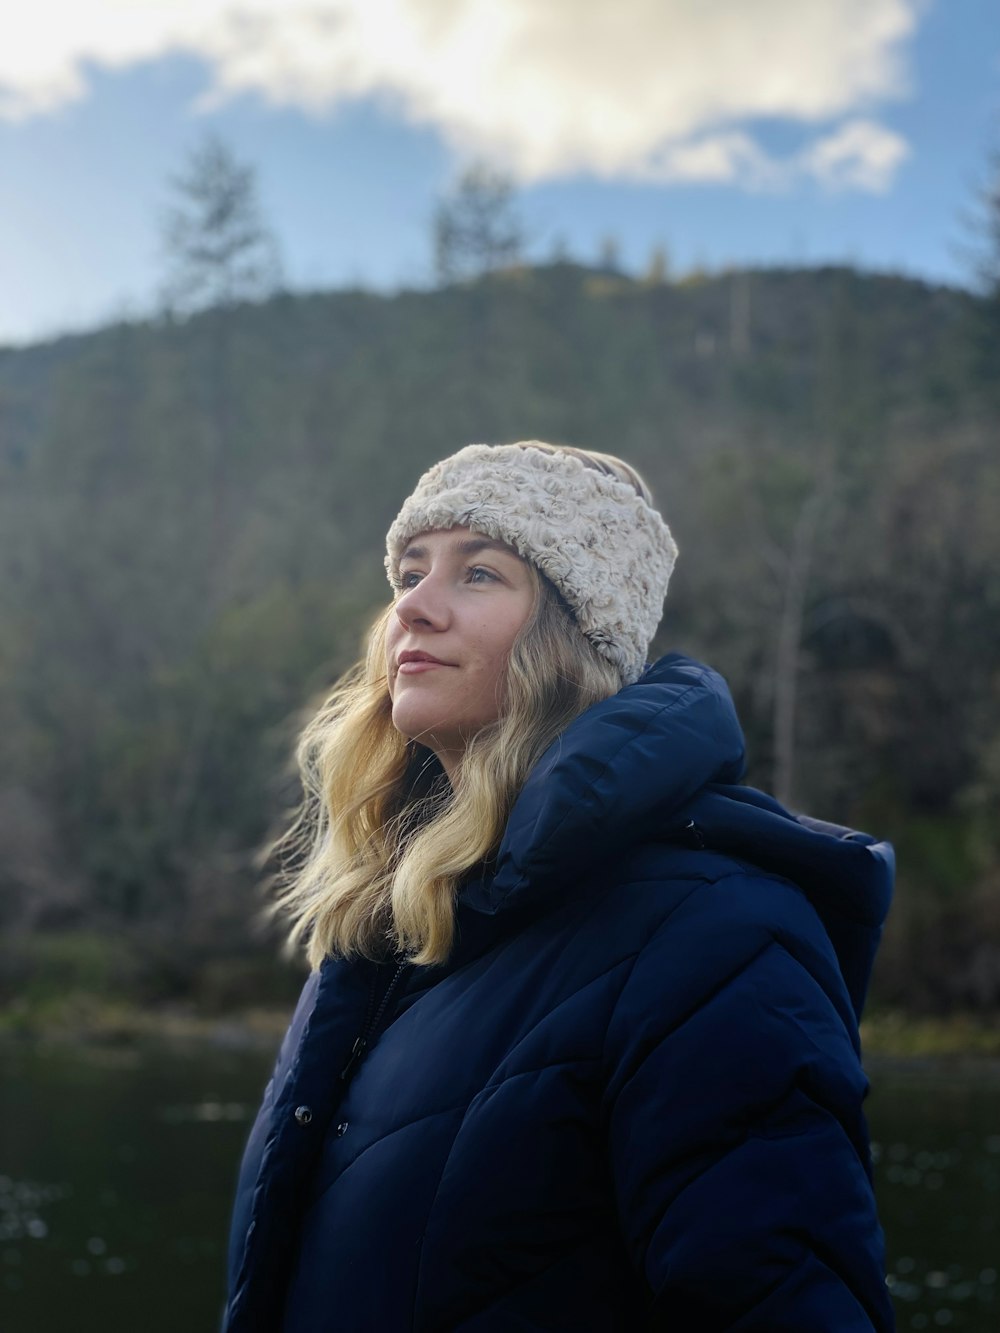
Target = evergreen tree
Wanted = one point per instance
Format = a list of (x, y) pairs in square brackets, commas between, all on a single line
[(985, 265), (609, 258), (219, 250), (476, 227), (985, 224), (658, 267)]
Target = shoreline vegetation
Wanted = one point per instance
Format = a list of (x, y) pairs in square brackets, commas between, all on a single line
[(888, 1035)]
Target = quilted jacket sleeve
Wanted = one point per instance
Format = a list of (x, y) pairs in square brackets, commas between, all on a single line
[(738, 1146)]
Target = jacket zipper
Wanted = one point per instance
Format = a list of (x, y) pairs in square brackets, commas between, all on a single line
[(361, 1043)]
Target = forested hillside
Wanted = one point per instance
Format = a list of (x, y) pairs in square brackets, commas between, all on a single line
[(191, 525)]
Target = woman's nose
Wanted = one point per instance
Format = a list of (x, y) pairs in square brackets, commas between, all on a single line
[(426, 603)]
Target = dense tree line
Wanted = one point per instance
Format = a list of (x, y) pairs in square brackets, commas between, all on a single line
[(191, 522)]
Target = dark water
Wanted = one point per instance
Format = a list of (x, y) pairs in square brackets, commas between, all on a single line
[(936, 1142), (116, 1169)]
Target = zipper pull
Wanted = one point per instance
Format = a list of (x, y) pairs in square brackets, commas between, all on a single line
[(356, 1056)]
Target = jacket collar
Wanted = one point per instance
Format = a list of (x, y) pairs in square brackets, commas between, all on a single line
[(656, 761), (617, 774)]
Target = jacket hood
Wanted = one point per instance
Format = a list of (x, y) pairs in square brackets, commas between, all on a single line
[(660, 761)]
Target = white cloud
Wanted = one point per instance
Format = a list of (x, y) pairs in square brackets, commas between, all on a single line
[(641, 89), (715, 159), (860, 155)]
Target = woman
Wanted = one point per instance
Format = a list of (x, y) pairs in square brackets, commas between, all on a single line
[(579, 1050)]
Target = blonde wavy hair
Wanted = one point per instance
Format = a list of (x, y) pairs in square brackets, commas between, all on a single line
[(381, 842)]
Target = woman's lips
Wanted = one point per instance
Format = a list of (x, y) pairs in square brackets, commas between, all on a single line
[(411, 668)]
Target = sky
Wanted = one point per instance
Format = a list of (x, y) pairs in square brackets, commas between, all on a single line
[(729, 132)]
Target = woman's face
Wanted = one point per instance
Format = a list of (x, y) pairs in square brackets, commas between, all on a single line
[(462, 601)]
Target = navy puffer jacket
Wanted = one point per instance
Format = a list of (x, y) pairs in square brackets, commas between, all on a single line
[(632, 1097)]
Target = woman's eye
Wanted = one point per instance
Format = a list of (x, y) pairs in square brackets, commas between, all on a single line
[(474, 574)]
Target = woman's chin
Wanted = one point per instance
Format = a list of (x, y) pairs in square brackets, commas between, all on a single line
[(416, 723)]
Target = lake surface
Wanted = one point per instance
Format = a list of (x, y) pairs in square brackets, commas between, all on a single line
[(117, 1168)]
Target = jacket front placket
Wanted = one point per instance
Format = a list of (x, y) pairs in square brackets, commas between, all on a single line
[(325, 1047)]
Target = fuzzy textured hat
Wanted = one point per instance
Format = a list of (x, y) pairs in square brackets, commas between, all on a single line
[(593, 536)]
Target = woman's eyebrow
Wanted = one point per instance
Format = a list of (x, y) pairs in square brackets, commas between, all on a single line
[(473, 545), (470, 546)]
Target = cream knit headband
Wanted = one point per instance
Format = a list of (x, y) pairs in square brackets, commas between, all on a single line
[(594, 537)]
